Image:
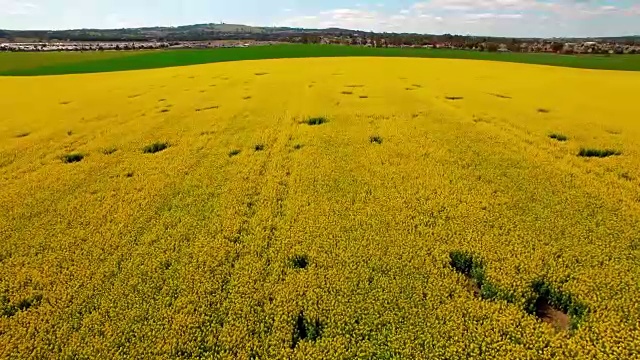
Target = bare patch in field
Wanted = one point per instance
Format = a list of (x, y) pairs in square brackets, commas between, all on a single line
[(500, 96), (207, 108)]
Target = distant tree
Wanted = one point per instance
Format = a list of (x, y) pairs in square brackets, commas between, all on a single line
[(492, 47), (557, 47)]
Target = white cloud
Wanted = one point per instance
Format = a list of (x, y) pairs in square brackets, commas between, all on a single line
[(524, 18), (475, 5), (16, 7)]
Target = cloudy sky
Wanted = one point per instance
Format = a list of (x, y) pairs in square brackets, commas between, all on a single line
[(479, 17)]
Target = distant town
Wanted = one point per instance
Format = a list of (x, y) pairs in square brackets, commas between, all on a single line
[(229, 35)]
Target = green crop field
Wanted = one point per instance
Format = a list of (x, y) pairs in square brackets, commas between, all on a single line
[(30, 64), (15, 62)]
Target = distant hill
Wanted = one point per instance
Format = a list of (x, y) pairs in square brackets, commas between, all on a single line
[(222, 31), (162, 33)]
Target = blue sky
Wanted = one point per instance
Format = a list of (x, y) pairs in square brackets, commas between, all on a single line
[(479, 17)]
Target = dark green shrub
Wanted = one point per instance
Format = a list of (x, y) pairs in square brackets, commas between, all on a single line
[(258, 147), (298, 146), (72, 158), (23, 134), (234, 152), (598, 153), (453, 98), (155, 147)]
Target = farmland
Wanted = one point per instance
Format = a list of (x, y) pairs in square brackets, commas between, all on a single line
[(30, 64), (385, 208)]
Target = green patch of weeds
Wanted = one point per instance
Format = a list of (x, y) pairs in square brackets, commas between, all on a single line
[(8, 310), (258, 147), (155, 147), (599, 153), (109, 150), (234, 152), (300, 262), (306, 329), (316, 121), (474, 269), (375, 139), (72, 158), (558, 137), (550, 304)]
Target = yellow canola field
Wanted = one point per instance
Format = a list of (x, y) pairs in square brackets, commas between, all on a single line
[(324, 244)]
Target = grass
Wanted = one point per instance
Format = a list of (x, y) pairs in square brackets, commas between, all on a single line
[(155, 147), (600, 153), (31, 64), (11, 62)]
